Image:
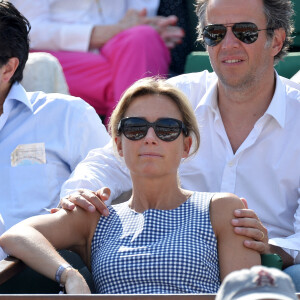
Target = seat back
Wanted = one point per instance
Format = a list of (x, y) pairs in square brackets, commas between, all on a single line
[(43, 72), (296, 43), (199, 61), (289, 66)]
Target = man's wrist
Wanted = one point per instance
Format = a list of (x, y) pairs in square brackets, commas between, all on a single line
[(287, 259)]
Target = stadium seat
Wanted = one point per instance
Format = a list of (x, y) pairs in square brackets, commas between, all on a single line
[(198, 61)]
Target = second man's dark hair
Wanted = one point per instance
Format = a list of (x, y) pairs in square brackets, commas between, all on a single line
[(14, 37)]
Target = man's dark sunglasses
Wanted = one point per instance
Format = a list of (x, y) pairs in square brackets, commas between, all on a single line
[(167, 129), (246, 32)]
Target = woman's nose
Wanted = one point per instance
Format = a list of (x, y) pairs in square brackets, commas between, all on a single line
[(150, 136)]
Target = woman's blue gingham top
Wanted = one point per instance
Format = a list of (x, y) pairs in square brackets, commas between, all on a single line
[(158, 251)]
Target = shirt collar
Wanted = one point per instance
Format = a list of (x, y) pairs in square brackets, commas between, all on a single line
[(276, 108), (18, 93), (210, 97)]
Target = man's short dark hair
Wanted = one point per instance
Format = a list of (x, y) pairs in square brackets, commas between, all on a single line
[(14, 38)]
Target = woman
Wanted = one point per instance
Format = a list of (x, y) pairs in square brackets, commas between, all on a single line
[(163, 239)]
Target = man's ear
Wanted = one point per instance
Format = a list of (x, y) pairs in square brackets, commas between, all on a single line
[(187, 144), (10, 68), (118, 142), (278, 40)]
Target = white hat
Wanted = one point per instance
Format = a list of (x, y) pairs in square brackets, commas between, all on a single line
[(257, 283)]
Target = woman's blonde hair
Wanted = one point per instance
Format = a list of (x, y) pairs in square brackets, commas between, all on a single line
[(157, 86)]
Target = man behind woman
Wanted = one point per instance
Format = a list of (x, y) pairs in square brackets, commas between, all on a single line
[(164, 239)]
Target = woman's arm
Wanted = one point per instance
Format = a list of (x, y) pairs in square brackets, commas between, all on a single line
[(36, 239), (232, 253)]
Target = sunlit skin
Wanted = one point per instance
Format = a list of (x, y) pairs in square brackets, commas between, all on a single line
[(151, 161), (236, 63)]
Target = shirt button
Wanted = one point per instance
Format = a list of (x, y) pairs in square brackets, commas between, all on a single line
[(230, 164)]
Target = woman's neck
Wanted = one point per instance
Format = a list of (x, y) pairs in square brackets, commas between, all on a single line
[(156, 193)]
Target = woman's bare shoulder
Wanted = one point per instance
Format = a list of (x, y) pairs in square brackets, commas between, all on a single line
[(222, 210), (226, 201)]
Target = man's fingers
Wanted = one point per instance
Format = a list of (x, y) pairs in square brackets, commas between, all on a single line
[(103, 193), (244, 202), (259, 242), (66, 203), (253, 233), (95, 200), (246, 222), (260, 247), (88, 200), (54, 210), (77, 199), (245, 213), (83, 198)]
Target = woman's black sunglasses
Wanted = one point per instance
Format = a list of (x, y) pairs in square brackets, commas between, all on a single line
[(167, 129), (246, 32)]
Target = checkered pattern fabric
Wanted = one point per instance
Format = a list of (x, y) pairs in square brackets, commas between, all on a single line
[(158, 251)]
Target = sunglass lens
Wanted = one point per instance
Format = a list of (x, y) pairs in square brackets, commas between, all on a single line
[(135, 128), (214, 34), (167, 129), (245, 32)]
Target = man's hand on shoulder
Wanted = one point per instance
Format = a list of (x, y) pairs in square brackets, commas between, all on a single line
[(247, 223), (86, 199)]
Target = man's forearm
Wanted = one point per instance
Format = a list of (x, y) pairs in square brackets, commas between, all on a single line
[(286, 258)]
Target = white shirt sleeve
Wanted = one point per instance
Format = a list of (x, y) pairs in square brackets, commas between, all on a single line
[(49, 34), (84, 123), (101, 168), (291, 243)]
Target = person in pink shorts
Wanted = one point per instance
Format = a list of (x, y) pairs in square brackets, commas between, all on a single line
[(103, 46)]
